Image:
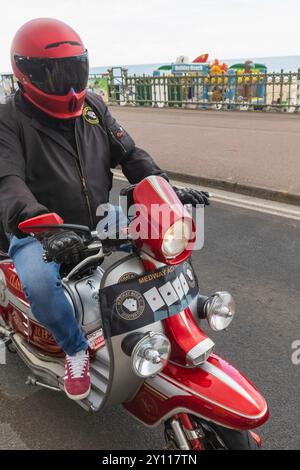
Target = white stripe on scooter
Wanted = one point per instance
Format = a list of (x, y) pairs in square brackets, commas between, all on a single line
[(205, 398), (223, 377), (19, 304), (184, 319), (155, 391), (156, 186), (165, 387)]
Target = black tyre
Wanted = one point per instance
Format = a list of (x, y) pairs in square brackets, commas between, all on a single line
[(219, 438), (216, 437)]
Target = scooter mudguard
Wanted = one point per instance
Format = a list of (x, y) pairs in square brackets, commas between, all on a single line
[(214, 391)]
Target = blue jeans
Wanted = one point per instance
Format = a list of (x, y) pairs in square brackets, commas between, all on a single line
[(43, 288)]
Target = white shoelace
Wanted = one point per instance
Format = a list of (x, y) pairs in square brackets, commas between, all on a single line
[(77, 364)]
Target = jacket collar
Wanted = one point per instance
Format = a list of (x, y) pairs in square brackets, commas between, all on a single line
[(54, 135), (44, 123)]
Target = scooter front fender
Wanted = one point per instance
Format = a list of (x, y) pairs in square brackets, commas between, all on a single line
[(214, 391)]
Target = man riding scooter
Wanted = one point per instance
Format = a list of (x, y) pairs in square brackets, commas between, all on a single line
[(58, 145)]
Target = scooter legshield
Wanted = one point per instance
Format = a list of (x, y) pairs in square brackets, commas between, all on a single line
[(214, 391)]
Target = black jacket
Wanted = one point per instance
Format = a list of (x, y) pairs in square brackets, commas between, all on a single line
[(46, 167)]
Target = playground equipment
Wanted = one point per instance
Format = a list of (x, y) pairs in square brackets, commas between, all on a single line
[(248, 85), (215, 84)]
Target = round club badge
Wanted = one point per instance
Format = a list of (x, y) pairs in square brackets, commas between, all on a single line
[(90, 116), (130, 305), (189, 275), (127, 277)]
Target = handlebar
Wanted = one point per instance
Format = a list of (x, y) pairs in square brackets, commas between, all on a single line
[(92, 240)]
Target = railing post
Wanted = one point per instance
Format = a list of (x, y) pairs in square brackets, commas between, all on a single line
[(298, 91), (126, 87), (281, 88)]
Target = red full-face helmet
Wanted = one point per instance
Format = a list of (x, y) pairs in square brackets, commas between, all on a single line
[(51, 65)]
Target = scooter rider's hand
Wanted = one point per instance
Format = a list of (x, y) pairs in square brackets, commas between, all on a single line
[(192, 196), (65, 247), (186, 196)]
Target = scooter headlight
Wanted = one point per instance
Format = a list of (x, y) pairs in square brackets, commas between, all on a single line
[(176, 239), (219, 310), (149, 353)]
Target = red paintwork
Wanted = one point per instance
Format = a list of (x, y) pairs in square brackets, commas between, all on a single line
[(216, 391), (197, 392), (34, 36), (32, 225), (12, 280), (155, 193), (184, 334), (43, 339), (31, 40), (32, 331), (16, 318), (182, 330)]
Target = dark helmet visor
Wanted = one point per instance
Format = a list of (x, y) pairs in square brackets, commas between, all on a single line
[(56, 76)]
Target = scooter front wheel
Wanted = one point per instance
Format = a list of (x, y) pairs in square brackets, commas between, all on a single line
[(213, 437)]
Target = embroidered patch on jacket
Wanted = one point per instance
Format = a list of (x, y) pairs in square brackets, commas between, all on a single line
[(90, 116)]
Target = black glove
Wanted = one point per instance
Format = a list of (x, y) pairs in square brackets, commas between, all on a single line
[(128, 193), (192, 196), (63, 247), (186, 196)]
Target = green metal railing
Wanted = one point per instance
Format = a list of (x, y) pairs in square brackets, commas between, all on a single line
[(257, 91)]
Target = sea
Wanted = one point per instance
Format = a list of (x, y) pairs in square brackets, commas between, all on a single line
[(274, 64)]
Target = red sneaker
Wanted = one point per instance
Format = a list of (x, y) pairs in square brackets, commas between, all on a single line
[(77, 377)]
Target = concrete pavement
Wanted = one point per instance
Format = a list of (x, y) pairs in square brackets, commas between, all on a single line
[(251, 153), (253, 255)]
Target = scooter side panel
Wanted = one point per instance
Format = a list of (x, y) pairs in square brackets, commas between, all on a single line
[(215, 391), (15, 310), (13, 283)]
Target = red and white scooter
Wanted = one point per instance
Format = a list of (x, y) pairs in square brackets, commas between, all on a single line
[(141, 317)]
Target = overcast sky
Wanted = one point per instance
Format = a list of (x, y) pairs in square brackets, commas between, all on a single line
[(154, 31)]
